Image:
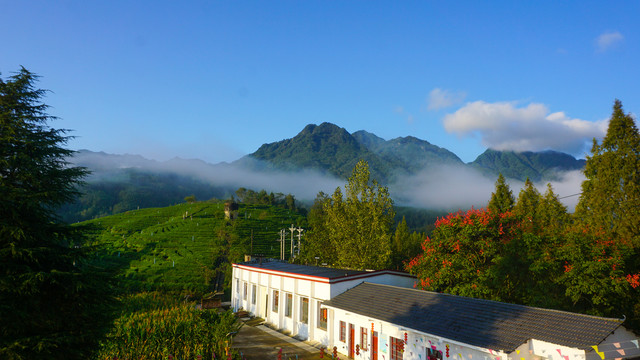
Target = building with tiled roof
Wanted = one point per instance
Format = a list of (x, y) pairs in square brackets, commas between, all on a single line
[(373, 321), (289, 296)]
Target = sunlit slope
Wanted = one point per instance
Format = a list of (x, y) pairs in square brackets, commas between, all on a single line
[(186, 246)]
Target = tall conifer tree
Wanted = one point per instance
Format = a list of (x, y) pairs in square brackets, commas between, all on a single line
[(610, 200), (50, 303), (502, 199), (551, 215)]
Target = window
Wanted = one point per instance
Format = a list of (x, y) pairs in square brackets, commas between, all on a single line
[(434, 354), (275, 301), (343, 331), (238, 286), (363, 338), (304, 310), (253, 294), (244, 295), (287, 305), (397, 348), (322, 317)]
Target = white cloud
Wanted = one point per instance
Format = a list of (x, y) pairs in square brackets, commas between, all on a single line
[(439, 99), (607, 40), (504, 126), (459, 188), (443, 187)]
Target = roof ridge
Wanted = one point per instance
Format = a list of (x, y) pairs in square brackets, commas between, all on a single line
[(499, 302)]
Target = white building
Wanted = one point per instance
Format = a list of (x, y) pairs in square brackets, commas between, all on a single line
[(372, 321), (289, 296)]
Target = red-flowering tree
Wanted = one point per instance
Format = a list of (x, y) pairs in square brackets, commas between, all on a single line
[(487, 255), (462, 255), (499, 257)]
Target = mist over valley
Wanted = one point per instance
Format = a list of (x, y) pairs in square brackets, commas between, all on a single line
[(320, 158)]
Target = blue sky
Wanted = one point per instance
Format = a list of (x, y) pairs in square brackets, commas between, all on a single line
[(215, 80)]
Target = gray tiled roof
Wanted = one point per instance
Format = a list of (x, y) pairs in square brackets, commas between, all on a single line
[(318, 271), (483, 323)]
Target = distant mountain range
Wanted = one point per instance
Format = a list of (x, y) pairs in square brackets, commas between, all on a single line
[(319, 158), (330, 148)]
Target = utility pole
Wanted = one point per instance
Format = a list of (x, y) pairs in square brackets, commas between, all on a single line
[(292, 229), (282, 235), (299, 230)]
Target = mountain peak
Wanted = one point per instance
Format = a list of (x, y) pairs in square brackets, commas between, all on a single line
[(536, 166), (331, 148)]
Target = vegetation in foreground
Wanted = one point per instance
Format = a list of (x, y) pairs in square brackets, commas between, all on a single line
[(155, 325), (54, 302)]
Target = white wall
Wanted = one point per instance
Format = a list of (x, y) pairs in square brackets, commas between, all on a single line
[(415, 348), (621, 344), (315, 291)]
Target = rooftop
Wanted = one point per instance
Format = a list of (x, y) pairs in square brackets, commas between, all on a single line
[(483, 323), (306, 270)]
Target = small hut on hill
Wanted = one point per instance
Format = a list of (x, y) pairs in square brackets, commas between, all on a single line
[(231, 210)]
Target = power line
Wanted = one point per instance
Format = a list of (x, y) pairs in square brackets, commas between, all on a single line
[(564, 197)]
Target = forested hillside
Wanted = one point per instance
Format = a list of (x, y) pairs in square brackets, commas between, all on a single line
[(130, 189), (537, 166)]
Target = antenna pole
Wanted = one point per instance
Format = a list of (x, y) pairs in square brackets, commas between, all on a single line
[(292, 229)]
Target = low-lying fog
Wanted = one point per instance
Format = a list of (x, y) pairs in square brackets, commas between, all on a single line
[(442, 187)]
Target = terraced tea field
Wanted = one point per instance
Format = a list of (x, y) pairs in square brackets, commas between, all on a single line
[(187, 247)]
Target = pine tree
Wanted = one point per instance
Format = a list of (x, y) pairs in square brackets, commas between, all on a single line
[(551, 214), (528, 201), (610, 200), (502, 199), (318, 244), (526, 207), (51, 303), (401, 238), (405, 245)]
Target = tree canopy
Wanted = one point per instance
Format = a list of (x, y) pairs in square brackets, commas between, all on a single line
[(610, 200), (353, 230), (502, 199), (51, 302)]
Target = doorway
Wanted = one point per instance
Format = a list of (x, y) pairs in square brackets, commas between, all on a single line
[(352, 338), (374, 345)]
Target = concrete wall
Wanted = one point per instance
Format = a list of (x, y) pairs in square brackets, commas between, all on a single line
[(415, 347), (318, 290), (266, 285)]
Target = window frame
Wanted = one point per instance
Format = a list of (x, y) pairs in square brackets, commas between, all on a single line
[(288, 305), (323, 317), (253, 294), (343, 331), (364, 334), (395, 350), (276, 301), (304, 310), (245, 290)]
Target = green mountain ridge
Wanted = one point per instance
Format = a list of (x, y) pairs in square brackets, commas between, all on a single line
[(331, 148), (537, 166), (324, 147)]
